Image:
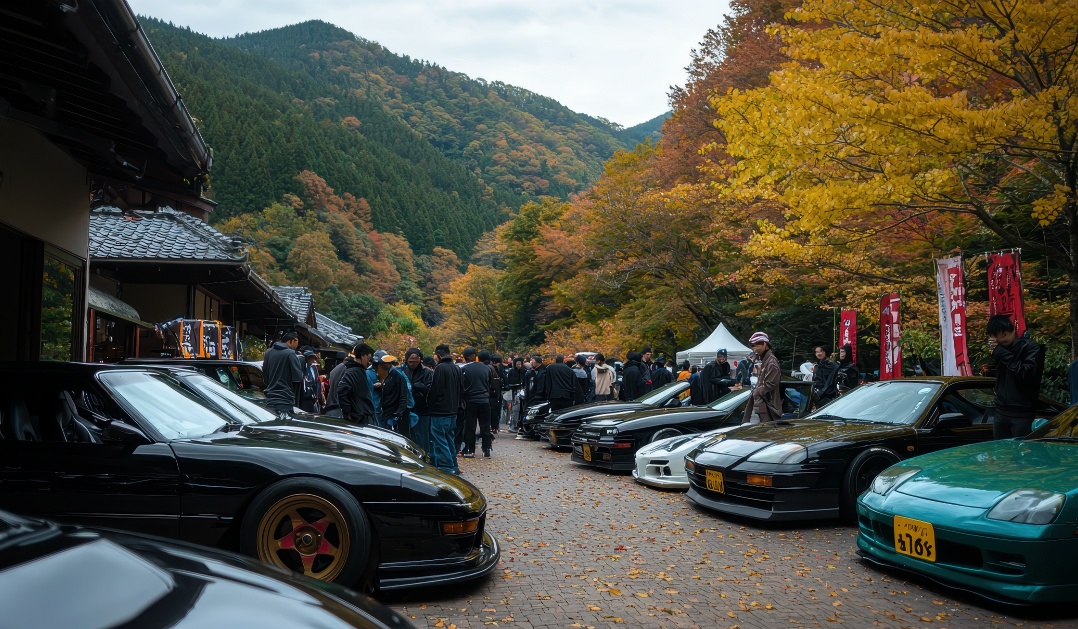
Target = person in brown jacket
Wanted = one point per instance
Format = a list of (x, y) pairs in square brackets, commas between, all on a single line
[(766, 402)]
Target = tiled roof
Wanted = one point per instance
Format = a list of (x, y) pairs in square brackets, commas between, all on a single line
[(297, 298), (336, 332), (165, 234)]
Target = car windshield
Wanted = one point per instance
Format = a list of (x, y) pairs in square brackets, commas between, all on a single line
[(663, 392), (731, 400), (235, 407), (892, 402), (163, 403)]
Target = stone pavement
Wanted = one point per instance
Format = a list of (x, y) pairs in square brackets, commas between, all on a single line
[(583, 548)]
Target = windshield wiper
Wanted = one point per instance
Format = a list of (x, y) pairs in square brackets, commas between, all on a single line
[(843, 419)]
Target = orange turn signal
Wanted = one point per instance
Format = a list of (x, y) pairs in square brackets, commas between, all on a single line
[(460, 528), (759, 480)]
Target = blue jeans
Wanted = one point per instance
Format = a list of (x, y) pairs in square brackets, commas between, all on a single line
[(443, 439)]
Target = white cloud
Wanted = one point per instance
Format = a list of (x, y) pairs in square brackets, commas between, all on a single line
[(611, 58)]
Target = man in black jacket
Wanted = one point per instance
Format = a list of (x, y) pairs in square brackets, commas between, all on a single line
[(633, 384), (536, 390), (660, 375), (443, 400), (562, 384), (421, 378), (1019, 366), (282, 373), (716, 378), (354, 390), (477, 385), (333, 407)]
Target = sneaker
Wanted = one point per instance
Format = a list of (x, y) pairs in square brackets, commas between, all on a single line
[(469, 455), (486, 453)]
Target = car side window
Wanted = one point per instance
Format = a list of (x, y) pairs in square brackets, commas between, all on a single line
[(250, 377), (50, 408), (972, 402)]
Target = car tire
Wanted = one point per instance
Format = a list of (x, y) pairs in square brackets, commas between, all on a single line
[(859, 475), (310, 526), (664, 433)]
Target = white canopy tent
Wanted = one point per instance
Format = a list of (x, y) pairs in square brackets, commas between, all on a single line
[(719, 339)]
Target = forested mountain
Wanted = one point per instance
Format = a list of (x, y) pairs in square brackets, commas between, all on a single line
[(516, 140)]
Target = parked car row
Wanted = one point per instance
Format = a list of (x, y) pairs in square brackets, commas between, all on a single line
[(171, 452), (911, 461)]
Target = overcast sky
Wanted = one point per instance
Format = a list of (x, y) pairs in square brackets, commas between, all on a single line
[(611, 58)]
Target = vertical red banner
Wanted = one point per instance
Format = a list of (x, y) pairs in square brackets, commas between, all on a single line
[(1005, 288), (951, 286), (847, 331), (890, 338)]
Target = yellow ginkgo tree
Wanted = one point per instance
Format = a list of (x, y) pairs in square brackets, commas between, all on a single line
[(897, 112)]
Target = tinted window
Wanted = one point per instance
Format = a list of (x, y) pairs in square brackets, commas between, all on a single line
[(163, 403), (893, 402)]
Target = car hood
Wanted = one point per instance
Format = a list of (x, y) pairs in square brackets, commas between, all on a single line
[(656, 417), (810, 431), (591, 409), (333, 425), (978, 475), (111, 579), (287, 435)]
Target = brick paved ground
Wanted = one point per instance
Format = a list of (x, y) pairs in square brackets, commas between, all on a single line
[(584, 548)]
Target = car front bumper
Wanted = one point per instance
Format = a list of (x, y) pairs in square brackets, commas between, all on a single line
[(1032, 565), (667, 472), (604, 455), (798, 497), (558, 436), (478, 563)]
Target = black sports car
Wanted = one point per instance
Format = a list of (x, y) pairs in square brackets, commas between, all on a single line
[(243, 411), (71, 576), (816, 467), (132, 448), (611, 442), (559, 426)]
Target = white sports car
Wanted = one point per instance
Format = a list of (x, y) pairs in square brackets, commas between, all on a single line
[(662, 464)]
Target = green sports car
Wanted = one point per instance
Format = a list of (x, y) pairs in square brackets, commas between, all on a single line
[(998, 518)]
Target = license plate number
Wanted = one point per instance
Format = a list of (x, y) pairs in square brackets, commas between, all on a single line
[(587, 453), (714, 481), (915, 538)]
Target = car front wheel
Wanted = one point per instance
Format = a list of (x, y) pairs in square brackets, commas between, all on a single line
[(310, 526), (859, 476)]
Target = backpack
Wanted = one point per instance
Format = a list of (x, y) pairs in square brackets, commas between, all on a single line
[(495, 381)]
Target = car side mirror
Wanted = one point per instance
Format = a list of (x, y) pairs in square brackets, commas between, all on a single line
[(119, 432), (673, 402), (951, 421)]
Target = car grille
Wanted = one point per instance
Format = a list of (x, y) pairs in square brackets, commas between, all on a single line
[(949, 552)]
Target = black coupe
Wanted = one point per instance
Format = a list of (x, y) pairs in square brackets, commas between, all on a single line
[(71, 576), (558, 427), (132, 448), (816, 467), (611, 442)]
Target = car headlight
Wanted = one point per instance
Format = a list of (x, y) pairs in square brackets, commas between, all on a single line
[(609, 432), (892, 477), (1029, 506), (788, 453), (690, 465), (532, 412)]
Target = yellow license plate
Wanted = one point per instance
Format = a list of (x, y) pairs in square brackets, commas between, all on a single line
[(587, 453), (714, 481), (915, 538)]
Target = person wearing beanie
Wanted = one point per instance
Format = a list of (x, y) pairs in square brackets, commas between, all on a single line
[(766, 401), (847, 377)]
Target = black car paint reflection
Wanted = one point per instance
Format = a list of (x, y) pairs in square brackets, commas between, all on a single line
[(558, 428), (71, 576)]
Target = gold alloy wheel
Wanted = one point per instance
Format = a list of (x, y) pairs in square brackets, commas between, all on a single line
[(305, 533)]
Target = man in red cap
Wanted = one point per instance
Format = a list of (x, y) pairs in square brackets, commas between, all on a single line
[(766, 402)]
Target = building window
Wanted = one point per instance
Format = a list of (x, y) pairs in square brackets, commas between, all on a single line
[(61, 282)]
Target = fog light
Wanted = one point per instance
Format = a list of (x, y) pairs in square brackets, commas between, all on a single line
[(460, 528), (759, 480)]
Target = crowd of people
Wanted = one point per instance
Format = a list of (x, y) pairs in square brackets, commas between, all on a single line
[(449, 403)]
